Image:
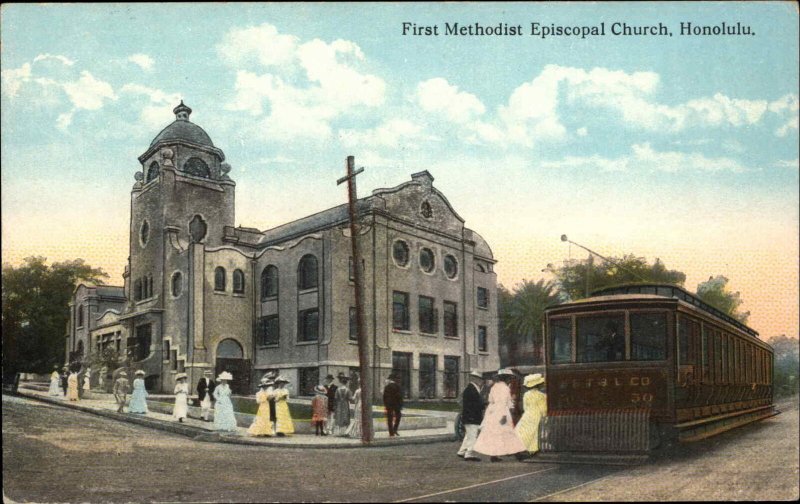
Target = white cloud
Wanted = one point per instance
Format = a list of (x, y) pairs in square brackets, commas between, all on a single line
[(144, 61), (300, 87), (395, 133), (47, 56), (257, 44), (644, 158), (157, 110), (582, 132), (14, 78), (793, 164), (438, 96), (88, 92)]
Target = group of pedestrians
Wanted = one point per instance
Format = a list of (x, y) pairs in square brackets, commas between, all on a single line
[(273, 416), (69, 382), (489, 428)]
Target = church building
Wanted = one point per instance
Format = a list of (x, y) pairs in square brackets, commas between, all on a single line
[(202, 294)]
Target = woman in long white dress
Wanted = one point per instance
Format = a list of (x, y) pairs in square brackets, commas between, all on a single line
[(138, 402), (497, 436), (354, 431), (87, 383), (181, 409), (72, 386), (55, 383), (224, 417)]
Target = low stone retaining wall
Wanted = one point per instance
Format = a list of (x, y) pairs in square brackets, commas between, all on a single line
[(408, 422)]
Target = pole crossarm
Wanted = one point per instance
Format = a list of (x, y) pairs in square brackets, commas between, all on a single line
[(349, 176)]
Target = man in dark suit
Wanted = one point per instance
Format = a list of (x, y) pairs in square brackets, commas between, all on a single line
[(393, 403), (330, 393), (471, 415), (64, 377), (205, 393)]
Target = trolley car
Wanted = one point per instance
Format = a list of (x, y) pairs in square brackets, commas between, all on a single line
[(637, 364)]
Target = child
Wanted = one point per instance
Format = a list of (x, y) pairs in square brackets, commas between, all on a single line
[(319, 409), (262, 423)]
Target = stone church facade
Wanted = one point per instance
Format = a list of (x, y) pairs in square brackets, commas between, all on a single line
[(202, 294)]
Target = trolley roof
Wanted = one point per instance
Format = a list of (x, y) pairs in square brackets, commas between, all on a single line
[(662, 291)]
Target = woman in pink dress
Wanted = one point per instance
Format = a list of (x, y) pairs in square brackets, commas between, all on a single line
[(497, 436)]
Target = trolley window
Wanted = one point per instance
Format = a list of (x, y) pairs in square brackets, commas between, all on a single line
[(560, 340), (687, 340), (648, 336), (600, 338), (704, 350)]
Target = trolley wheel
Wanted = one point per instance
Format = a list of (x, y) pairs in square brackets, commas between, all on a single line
[(460, 431)]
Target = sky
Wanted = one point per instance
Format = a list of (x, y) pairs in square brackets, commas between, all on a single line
[(677, 147)]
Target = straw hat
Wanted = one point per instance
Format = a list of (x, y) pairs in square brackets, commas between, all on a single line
[(319, 389), (180, 376), (123, 373), (505, 372), (225, 376), (139, 372), (532, 380), (266, 382)]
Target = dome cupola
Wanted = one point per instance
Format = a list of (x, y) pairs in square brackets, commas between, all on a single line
[(183, 130)]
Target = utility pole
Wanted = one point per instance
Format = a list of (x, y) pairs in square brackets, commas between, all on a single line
[(363, 356)]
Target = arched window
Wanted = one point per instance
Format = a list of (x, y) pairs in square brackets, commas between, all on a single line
[(307, 273), (450, 266), (238, 281), (137, 290), (80, 347), (229, 349), (197, 167), (152, 172), (400, 252), (219, 279), (80, 316), (144, 233), (177, 284), (427, 260), (269, 282)]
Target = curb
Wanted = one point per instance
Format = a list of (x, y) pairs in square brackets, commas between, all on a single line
[(202, 435)]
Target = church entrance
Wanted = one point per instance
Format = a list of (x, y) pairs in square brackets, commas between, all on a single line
[(230, 358)]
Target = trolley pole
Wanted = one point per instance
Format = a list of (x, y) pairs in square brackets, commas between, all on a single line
[(363, 356)]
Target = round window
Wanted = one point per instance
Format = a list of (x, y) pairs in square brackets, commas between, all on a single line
[(426, 260), (450, 266), (400, 252), (144, 233)]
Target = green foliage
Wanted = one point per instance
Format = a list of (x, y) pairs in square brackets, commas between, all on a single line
[(577, 278), (36, 312), (786, 377), (109, 358), (715, 292), (521, 316)]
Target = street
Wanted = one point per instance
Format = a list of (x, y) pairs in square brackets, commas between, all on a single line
[(51, 453)]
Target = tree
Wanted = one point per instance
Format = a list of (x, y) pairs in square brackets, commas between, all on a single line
[(35, 311), (577, 278), (522, 313), (715, 292), (786, 372)]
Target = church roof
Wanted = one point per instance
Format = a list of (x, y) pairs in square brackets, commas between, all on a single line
[(183, 129)]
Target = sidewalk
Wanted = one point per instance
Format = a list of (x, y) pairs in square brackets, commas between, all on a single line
[(103, 404)]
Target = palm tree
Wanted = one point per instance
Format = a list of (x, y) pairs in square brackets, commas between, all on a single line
[(522, 317)]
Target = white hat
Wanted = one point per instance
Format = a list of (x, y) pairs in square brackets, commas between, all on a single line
[(225, 376), (476, 374), (139, 372), (180, 376), (532, 380), (281, 379), (505, 371)]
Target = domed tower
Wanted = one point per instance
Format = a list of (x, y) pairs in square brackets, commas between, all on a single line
[(182, 199)]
